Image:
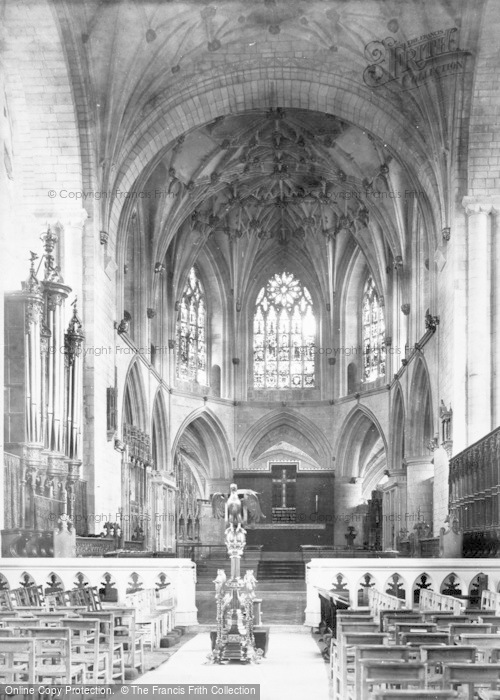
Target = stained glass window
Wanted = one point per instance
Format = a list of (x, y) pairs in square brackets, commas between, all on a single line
[(284, 335), (191, 338), (373, 333)]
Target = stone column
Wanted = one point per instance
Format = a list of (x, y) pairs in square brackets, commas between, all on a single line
[(478, 317), (419, 472)]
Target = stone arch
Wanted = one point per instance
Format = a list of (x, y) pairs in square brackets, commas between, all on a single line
[(293, 427), (420, 419), (27, 580), (134, 408), (135, 583), (80, 580), (452, 585), (359, 435), (53, 583), (395, 586), (422, 582), (214, 439), (365, 583), (478, 584), (108, 591)]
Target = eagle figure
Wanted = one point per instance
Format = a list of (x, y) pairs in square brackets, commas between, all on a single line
[(239, 509)]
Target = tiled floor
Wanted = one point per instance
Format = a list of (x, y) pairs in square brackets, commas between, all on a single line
[(292, 670)]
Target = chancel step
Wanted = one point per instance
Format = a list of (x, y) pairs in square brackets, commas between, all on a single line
[(269, 570)]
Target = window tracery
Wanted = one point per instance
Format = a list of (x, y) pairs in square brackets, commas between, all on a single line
[(191, 332), (373, 322), (284, 335)]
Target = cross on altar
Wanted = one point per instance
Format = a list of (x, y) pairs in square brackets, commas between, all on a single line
[(281, 479)]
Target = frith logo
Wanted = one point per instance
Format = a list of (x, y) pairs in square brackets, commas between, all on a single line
[(414, 62)]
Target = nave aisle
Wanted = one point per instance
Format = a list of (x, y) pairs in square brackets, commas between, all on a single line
[(292, 670)]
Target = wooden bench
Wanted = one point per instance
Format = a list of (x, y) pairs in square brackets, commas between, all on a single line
[(490, 601), (401, 628), (435, 656), (472, 676), (486, 644), (382, 601), (375, 653), (339, 655), (456, 630), (429, 600), (388, 618), (417, 639), (381, 673)]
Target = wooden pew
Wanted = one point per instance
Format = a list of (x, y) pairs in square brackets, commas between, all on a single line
[(382, 601), (486, 644), (388, 618), (377, 673), (429, 600), (490, 601), (417, 639), (339, 655), (401, 628), (472, 676), (17, 657), (456, 630), (375, 653), (20, 622), (493, 620), (435, 656)]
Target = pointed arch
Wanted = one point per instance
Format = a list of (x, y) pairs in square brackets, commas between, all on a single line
[(211, 434), (420, 423), (299, 430), (362, 448), (134, 411)]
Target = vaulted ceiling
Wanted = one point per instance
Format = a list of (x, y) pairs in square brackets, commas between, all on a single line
[(282, 175)]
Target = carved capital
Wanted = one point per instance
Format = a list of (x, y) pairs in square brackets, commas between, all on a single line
[(481, 205)]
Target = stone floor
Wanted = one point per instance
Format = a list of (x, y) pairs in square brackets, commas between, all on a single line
[(293, 668)]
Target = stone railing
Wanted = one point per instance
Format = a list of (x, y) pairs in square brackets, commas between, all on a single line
[(407, 576), (115, 574)]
